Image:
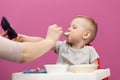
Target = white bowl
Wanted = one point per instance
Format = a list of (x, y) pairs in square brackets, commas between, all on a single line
[(56, 68), (83, 68)]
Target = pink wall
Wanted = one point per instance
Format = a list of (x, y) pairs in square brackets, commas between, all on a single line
[(32, 17)]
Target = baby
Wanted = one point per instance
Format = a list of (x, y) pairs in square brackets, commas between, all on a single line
[(75, 50)]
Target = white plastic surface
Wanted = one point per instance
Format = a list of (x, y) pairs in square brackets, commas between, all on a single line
[(96, 75)]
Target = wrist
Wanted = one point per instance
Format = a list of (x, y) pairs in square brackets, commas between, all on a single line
[(51, 41)]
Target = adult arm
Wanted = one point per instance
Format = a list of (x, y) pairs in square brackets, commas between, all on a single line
[(28, 51), (32, 50)]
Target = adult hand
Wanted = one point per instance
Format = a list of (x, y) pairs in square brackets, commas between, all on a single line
[(19, 38), (4, 34), (54, 32)]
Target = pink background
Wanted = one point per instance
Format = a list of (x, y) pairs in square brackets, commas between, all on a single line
[(32, 17)]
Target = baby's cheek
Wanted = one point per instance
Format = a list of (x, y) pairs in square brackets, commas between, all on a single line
[(75, 37)]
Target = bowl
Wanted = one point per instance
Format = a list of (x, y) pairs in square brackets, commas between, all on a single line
[(83, 68), (56, 68)]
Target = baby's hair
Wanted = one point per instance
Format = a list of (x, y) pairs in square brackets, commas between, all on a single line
[(94, 27)]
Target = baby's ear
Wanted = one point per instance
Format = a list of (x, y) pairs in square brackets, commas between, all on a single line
[(86, 35)]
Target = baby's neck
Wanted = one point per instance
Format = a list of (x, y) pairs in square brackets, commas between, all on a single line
[(77, 46)]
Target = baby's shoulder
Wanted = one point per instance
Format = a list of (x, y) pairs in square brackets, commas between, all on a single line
[(62, 43)]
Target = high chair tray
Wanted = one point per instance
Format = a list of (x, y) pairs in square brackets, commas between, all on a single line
[(96, 75)]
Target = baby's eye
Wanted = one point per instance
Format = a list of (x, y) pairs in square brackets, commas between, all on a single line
[(74, 27)]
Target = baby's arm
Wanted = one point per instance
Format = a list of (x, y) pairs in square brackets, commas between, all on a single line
[(95, 62)]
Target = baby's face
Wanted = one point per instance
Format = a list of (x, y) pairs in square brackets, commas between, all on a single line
[(76, 30)]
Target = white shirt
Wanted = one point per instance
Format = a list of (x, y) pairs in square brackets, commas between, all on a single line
[(10, 50), (68, 55)]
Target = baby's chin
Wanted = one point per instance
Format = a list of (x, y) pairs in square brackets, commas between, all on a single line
[(69, 42)]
